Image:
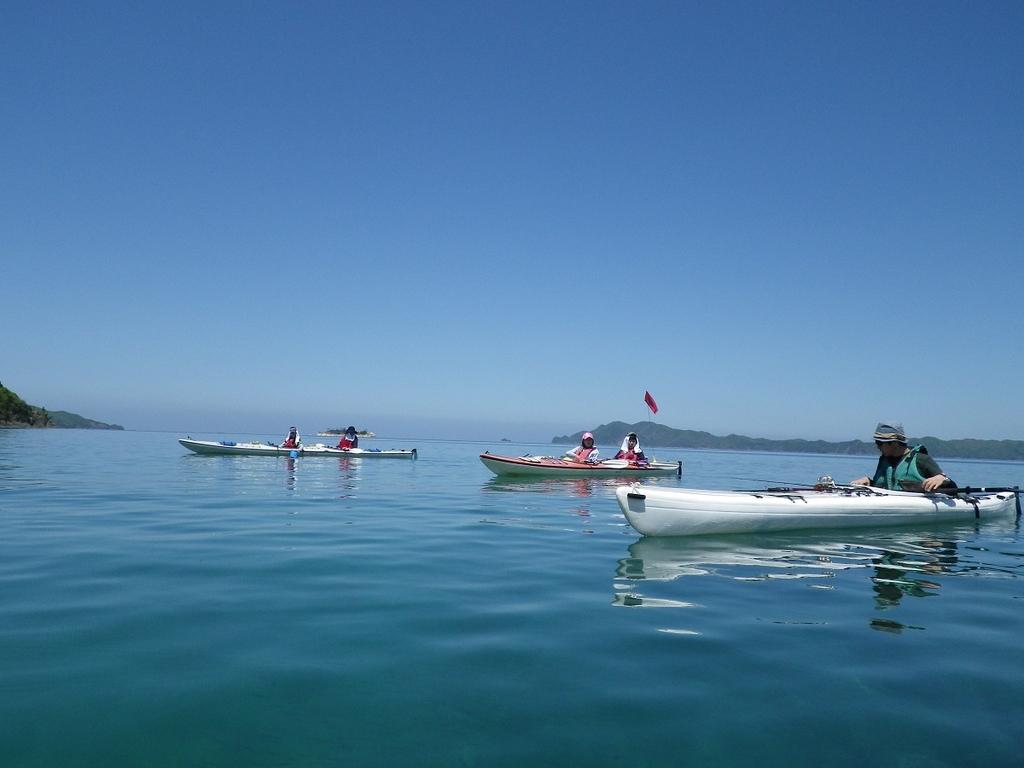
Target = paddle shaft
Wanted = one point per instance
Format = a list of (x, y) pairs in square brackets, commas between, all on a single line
[(1015, 490), (971, 490), (978, 489)]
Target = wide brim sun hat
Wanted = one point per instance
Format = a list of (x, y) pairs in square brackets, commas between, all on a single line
[(889, 433)]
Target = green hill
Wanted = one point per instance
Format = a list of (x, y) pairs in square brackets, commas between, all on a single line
[(658, 435), (15, 412), (65, 420), (341, 431)]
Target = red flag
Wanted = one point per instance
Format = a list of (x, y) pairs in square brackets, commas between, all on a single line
[(650, 402)]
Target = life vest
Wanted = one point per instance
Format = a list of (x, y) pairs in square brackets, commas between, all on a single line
[(892, 478), (583, 453), (290, 443), (346, 443), (627, 455)]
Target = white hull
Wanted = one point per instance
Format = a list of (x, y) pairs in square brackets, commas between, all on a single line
[(212, 447), (655, 511)]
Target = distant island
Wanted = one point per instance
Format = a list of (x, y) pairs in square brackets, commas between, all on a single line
[(15, 413), (659, 436), (341, 431)]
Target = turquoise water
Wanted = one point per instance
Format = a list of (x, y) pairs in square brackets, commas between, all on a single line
[(160, 608)]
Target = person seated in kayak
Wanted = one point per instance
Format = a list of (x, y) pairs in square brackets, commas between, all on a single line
[(585, 452), (901, 467), (349, 440), (293, 440), (631, 450)]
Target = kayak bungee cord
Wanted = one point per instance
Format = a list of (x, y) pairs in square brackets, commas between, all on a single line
[(788, 483), (970, 490), (823, 483)]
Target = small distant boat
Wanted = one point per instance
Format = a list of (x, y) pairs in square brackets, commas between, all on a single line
[(656, 511), (231, 448), (549, 466)]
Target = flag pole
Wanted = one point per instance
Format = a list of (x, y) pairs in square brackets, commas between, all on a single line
[(652, 407)]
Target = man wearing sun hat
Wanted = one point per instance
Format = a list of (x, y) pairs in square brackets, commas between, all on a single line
[(349, 439), (901, 467)]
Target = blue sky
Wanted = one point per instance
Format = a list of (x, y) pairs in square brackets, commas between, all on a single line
[(511, 218)]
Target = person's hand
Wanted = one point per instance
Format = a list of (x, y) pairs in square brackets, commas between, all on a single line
[(934, 482), (861, 481)]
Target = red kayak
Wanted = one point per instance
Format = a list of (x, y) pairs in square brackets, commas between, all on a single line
[(550, 466)]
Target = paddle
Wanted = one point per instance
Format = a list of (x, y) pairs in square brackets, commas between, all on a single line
[(969, 490), (978, 489), (1015, 490), (906, 485)]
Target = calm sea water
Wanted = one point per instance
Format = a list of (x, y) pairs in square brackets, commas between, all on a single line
[(160, 608)]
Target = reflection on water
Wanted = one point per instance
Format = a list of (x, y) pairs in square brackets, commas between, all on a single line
[(888, 625), (347, 473), (348, 476), (895, 571), (263, 475), (587, 495), (580, 487), (595, 493), (728, 557), (894, 567)]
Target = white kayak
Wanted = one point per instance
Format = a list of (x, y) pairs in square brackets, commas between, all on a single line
[(549, 466), (231, 448), (656, 511)]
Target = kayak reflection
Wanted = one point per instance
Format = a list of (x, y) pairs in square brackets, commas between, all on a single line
[(904, 565), (291, 473), (663, 559), (905, 572), (579, 487), (891, 559), (576, 486), (348, 476)]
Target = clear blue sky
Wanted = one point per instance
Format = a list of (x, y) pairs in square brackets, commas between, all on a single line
[(485, 219)]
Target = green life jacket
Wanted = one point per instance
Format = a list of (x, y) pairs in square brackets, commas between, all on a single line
[(888, 476)]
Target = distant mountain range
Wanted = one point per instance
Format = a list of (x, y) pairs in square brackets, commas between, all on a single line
[(66, 420), (655, 435), (15, 412)]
